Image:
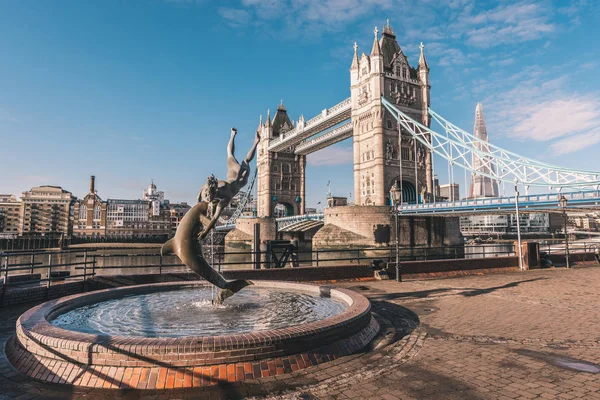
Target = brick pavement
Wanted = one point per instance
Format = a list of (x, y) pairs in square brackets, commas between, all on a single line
[(499, 336)]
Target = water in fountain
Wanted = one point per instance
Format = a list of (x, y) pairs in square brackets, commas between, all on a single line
[(190, 312)]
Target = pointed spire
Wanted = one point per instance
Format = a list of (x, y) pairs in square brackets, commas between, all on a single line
[(260, 123), (387, 29), (422, 61), (355, 58), (268, 122), (376, 51)]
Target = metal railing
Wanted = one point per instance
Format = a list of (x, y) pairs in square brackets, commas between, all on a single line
[(27, 268), (557, 246)]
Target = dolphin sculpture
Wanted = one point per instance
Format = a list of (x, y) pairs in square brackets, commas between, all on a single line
[(187, 247)]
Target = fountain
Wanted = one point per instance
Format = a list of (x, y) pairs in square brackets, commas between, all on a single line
[(175, 334)]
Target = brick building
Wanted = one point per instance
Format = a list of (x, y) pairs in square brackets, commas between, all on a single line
[(90, 214)]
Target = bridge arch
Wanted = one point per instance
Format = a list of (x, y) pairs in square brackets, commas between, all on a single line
[(284, 209), (409, 194)]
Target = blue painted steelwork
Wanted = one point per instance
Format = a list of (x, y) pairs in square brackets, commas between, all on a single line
[(505, 205)]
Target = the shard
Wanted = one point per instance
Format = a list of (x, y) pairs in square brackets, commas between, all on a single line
[(481, 183)]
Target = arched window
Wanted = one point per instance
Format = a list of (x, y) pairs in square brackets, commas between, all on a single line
[(83, 212), (285, 168), (97, 212)]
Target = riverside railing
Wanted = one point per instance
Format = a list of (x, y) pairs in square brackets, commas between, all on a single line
[(557, 246), (53, 265)]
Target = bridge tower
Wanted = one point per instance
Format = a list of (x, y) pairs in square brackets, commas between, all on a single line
[(280, 175), (375, 132)]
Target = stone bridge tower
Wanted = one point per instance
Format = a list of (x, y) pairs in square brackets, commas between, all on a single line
[(281, 175), (377, 154)]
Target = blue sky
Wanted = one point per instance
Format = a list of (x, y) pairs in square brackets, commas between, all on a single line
[(148, 89)]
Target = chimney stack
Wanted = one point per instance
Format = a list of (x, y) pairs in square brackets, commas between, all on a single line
[(92, 184)]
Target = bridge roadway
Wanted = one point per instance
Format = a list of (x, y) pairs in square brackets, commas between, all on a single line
[(328, 118), (584, 200)]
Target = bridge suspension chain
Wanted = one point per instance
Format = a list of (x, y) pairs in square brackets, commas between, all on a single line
[(461, 148)]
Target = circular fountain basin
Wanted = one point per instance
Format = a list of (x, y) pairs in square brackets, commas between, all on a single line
[(169, 334)]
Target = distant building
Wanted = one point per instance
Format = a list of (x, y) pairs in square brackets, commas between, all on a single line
[(46, 210), (310, 210), (148, 218), (492, 225), (449, 191), (10, 215), (177, 211), (89, 214), (335, 201)]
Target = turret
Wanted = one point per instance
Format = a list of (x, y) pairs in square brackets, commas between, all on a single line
[(423, 67), (354, 66), (269, 125), (376, 55)]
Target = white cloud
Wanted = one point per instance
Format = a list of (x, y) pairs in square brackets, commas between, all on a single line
[(517, 22), (559, 117), (235, 17), (5, 116), (331, 156), (576, 142)]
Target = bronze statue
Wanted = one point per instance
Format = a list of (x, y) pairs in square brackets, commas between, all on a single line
[(201, 218), (237, 178)]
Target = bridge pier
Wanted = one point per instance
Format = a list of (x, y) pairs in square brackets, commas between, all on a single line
[(359, 227)]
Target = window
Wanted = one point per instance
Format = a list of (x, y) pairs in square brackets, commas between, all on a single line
[(405, 153), (275, 168), (389, 124), (404, 73), (397, 69), (97, 212), (83, 212), (285, 168)]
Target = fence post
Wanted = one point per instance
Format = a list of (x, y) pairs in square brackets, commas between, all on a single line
[(84, 265), (32, 261), (317, 257), (160, 264), (94, 265), (455, 255), (357, 257), (425, 254), (5, 283), (49, 270)]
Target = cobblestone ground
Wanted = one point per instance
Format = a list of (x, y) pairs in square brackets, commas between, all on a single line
[(531, 335), (518, 335)]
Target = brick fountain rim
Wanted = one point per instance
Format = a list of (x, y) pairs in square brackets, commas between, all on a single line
[(39, 347)]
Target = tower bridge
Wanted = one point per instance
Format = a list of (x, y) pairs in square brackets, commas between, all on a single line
[(389, 117)]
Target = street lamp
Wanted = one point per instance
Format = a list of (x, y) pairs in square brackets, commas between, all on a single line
[(518, 225), (562, 202), (396, 192)]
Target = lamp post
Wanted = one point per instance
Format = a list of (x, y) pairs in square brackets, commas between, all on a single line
[(562, 202), (518, 225), (396, 192)]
